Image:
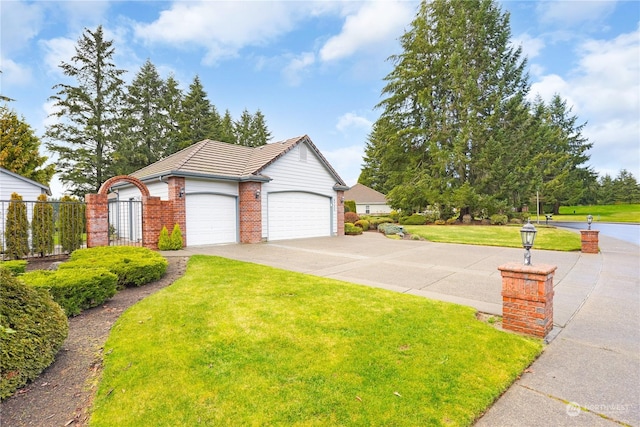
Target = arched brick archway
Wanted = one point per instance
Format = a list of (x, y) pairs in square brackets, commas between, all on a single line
[(98, 214)]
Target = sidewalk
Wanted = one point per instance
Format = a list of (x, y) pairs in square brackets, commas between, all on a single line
[(593, 358)]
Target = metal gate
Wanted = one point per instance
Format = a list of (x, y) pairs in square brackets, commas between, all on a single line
[(125, 222)]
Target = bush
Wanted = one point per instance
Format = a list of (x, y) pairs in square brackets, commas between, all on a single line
[(362, 223), (388, 229), (42, 227), (32, 330), (176, 238), (351, 205), (134, 266), (351, 230), (515, 221), (75, 289), (15, 267), (16, 232), (440, 222), (71, 223), (415, 219), (394, 215), (375, 221), (498, 219), (451, 221), (351, 217), (164, 241)]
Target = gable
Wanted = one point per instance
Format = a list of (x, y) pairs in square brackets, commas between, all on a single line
[(11, 182)]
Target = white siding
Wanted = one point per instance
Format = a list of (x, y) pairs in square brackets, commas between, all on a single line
[(206, 186), (374, 209), (296, 172), (10, 184)]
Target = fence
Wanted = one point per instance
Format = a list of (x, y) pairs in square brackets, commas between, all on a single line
[(40, 228), (125, 222)]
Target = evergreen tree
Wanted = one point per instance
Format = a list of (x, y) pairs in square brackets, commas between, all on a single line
[(451, 88), (626, 188), (227, 130), (606, 190), (199, 119), (172, 106), (16, 230), (20, 148), (71, 223), (259, 130), (42, 227), (243, 129), (87, 132), (251, 130)]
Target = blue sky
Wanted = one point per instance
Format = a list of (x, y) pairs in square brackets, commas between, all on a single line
[(316, 67)]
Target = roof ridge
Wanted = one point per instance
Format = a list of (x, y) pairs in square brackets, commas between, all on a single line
[(195, 151)]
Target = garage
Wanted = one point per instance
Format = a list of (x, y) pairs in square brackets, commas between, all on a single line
[(293, 215), (211, 219)]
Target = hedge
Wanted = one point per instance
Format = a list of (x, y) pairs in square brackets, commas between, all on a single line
[(351, 230), (32, 330), (75, 289), (15, 267), (415, 219), (134, 266)]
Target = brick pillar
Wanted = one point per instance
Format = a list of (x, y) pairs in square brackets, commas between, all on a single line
[(527, 298), (589, 240), (340, 216), (250, 212), (151, 221), (97, 215), (179, 206)]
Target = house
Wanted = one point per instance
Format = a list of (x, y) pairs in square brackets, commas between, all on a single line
[(368, 201), (231, 193), (11, 182)]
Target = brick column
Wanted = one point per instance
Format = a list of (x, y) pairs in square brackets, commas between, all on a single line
[(527, 298), (97, 215), (250, 212), (340, 218), (179, 206), (589, 240), (151, 221)]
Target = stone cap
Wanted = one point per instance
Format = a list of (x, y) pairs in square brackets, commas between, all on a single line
[(545, 269)]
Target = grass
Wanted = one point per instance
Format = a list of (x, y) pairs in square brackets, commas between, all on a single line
[(548, 238), (601, 213), (235, 343)]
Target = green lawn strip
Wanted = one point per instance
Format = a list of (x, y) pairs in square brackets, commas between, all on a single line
[(549, 238), (601, 213), (235, 343)]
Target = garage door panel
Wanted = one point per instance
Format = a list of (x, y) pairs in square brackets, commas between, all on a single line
[(298, 215), (211, 219)]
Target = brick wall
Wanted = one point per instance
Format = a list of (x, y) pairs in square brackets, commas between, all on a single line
[(250, 212), (97, 215), (527, 298), (340, 218), (589, 240)]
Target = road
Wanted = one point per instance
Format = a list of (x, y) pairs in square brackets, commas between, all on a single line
[(627, 232)]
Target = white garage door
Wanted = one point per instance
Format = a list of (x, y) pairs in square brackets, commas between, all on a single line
[(297, 215), (211, 219)]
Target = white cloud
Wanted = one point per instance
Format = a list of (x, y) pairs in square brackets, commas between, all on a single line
[(567, 13), (346, 161), (297, 67), (351, 120), (58, 50), (374, 23), (14, 74), (221, 28), (531, 46), (21, 22)]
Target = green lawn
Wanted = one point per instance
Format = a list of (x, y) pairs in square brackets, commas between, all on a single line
[(235, 343), (603, 213), (549, 238)]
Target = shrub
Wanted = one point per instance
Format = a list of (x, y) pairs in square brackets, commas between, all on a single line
[(394, 215), (362, 223), (164, 241), (351, 217), (515, 221), (451, 221), (351, 230), (134, 266), (415, 219), (176, 238), (351, 205), (32, 330), (42, 227), (440, 222), (71, 223), (498, 219), (375, 221), (15, 267), (75, 289), (388, 229), (16, 230)]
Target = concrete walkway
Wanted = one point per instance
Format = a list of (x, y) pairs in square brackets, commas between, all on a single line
[(593, 359)]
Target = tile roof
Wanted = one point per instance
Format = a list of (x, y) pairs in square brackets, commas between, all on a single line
[(363, 194), (215, 159)]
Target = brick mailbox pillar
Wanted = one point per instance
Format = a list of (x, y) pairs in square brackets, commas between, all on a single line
[(589, 240), (527, 298)]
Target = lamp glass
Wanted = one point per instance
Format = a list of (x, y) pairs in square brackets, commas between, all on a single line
[(528, 235)]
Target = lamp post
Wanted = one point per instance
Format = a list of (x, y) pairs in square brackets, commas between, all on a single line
[(528, 235), (589, 221)]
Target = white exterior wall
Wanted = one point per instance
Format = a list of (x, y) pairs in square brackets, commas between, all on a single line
[(374, 209), (156, 188), (205, 186), (292, 173), (10, 184)]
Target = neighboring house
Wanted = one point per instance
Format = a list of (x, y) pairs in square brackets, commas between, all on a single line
[(368, 201), (232, 193), (13, 183)]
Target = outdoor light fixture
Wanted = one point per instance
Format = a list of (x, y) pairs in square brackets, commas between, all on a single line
[(589, 221), (181, 193), (257, 194), (341, 200), (528, 235)]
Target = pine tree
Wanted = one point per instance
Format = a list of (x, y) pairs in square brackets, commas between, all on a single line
[(227, 130), (243, 131), (87, 133), (172, 106), (199, 119), (176, 238), (16, 230), (259, 130), (42, 227), (20, 148)]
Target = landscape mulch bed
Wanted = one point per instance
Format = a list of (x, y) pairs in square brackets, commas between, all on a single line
[(62, 394)]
